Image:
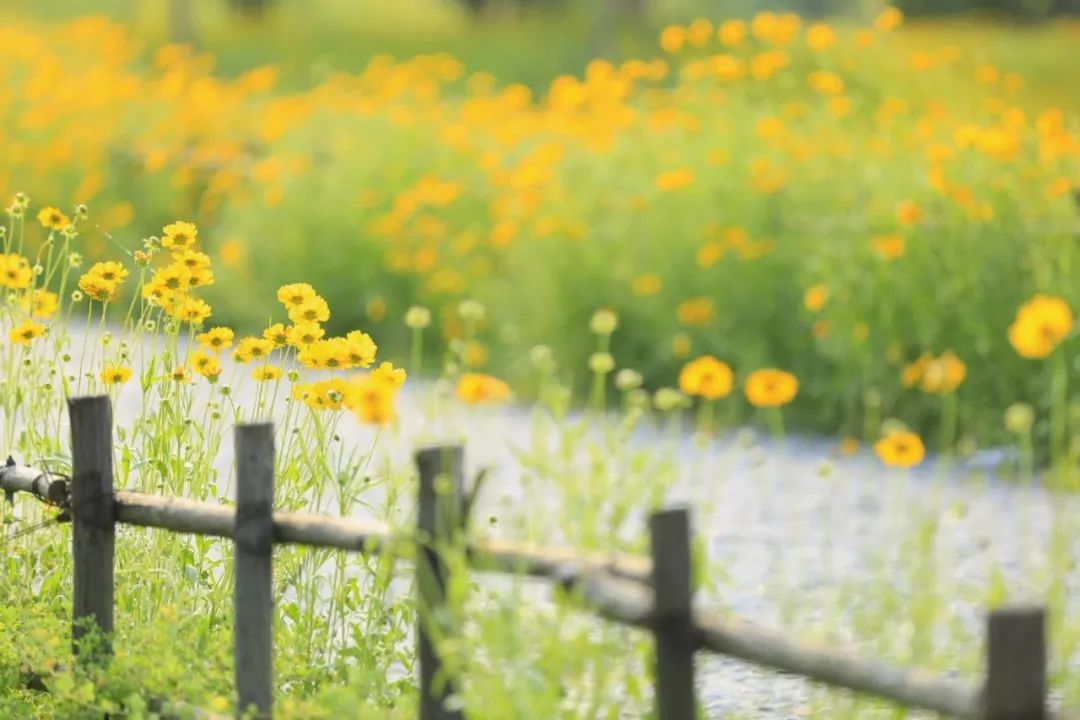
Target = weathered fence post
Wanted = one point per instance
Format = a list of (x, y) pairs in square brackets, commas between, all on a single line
[(669, 533), (253, 592), (1015, 665), (439, 516), (94, 531)]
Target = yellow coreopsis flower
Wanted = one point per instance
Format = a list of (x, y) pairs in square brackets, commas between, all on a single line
[(25, 332), (706, 377), (900, 449), (647, 284), (360, 349), (15, 272), (312, 310), (815, 298), (372, 399), (477, 388), (771, 388), (96, 288), (697, 312), (115, 374), (304, 333), (110, 271), (206, 365), (190, 310), (674, 179), (179, 236), (889, 247), (295, 294), (820, 37), (387, 373), (216, 339), (266, 373), (251, 348), (277, 334), (1040, 325), (52, 219), (41, 304)]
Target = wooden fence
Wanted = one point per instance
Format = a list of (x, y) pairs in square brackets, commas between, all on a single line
[(653, 594)]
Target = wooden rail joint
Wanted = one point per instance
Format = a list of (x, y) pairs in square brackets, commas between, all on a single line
[(51, 488)]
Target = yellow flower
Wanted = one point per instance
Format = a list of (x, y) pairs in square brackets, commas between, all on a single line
[(476, 388), (731, 32), (216, 338), (295, 294), (41, 303), (265, 373), (231, 252), (109, 271), (97, 288), (372, 399), (277, 334), (387, 373), (201, 276), (15, 272), (1040, 325), (313, 309), (173, 279), (826, 83), (329, 354), (191, 259), (190, 310), (323, 395), (900, 449), (672, 39), (179, 236), (820, 37), (647, 284), (674, 179), (913, 372), (52, 219), (115, 374), (251, 348), (908, 213), (180, 374), (206, 365), (302, 334), (709, 254), (697, 312), (360, 349), (815, 298), (889, 247), (706, 377), (26, 331), (935, 375), (944, 374), (771, 388), (889, 19)]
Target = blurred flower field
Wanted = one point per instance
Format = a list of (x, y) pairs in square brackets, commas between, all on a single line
[(814, 198), (864, 231)]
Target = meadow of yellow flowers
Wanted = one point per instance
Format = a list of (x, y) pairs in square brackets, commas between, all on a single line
[(763, 194)]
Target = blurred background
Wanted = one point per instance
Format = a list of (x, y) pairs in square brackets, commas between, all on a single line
[(834, 187), (528, 41)]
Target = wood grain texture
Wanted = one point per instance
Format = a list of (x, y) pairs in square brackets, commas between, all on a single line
[(669, 534), (254, 542), (93, 535), (439, 516)]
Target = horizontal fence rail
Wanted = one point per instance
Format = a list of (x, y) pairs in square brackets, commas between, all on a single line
[(653, 594)]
